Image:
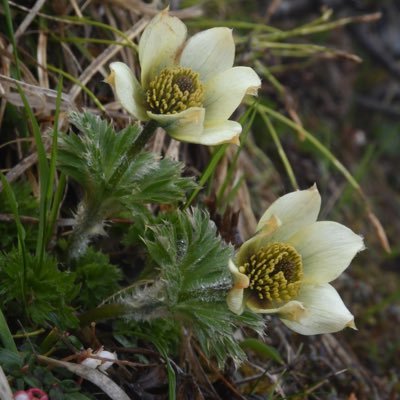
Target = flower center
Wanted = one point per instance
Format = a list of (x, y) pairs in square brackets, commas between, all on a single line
[(174, 90), (275, 273)]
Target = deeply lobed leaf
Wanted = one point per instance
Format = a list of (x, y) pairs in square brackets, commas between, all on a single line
[(92, 158), (192, 284)]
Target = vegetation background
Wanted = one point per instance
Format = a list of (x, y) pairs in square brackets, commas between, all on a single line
[(330, 66)]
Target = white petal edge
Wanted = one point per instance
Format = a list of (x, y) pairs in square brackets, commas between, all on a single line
[(324, 311), (234, 300), (186, 126), (91, 362), (294, 211), (225, 91), (209, 52), (327, 249), (235, 296), (220, 132), (240, 281), (292, 309), (127, 90), (105, 365), (160, 44)]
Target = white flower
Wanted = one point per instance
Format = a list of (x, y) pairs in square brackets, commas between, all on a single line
[(286, 267), (189, 87), (102, 365)]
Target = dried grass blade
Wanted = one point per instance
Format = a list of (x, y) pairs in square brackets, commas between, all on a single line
[(106, 384)]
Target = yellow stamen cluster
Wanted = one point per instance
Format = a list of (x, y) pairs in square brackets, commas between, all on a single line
[(174, 90), (275, 272)]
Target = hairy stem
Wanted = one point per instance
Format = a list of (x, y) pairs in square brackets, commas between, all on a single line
[(91, 211), (89, 221), (103, 312)]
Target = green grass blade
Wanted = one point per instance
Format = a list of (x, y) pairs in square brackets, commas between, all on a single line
[(170, 371), (281, 151), (315, 142), (233, 192), (14, 207), (79, 21), (20, 230), (5, 335), (53, 155), (247, 118), (310, 29), (83, 40), (261, 349), (79, 83), (10, 29), (211, 23), (54, 202), (44, 173), (208, 172), (216, 157), (57, 199), (87, 21)]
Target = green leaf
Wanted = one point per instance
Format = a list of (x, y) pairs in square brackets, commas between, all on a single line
[(216, 157), (6, 337), (21, 277), (261, 349), (54, 199), (11, 360), (44, 175), (48, 290), (96, 154), (96, 277), (12, 201), (19, 199), (193, 282), (114, 177)]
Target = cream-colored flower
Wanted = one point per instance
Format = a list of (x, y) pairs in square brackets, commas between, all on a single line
[(286, 267), (189, 87), (102, 360)]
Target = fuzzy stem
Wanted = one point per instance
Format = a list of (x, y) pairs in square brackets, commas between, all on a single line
[(91, 214), (103, 312)]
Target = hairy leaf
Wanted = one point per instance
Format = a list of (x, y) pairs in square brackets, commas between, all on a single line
[(193, 283), (97, 278), (93, 157), (48, 290)]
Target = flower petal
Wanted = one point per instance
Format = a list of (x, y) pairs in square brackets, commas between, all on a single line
[(240, 281), (260, 239), (127, 90), (234, 300), (324, 311), (294, 211), (209, 52), (186, 126), (327, 249), (160, 44), (91, 362), (221, 132), (225, 91), (105, 365), (292, 309)]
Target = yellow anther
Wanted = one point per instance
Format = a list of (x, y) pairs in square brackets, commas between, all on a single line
[(174, 90), (275, 272)]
